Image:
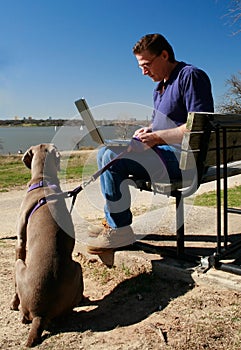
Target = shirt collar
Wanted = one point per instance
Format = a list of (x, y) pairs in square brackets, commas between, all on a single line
[(162, 85)]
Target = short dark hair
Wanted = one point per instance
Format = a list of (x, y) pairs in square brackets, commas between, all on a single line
[(154, 43)]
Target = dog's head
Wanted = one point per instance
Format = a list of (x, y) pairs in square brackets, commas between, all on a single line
[(43, 158)]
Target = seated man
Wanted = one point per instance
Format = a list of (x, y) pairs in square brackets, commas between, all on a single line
[(181, 88)]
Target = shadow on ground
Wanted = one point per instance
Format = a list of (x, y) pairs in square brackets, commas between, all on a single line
[(130, 302)]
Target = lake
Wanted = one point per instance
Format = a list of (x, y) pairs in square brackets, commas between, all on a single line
[(14, 139)]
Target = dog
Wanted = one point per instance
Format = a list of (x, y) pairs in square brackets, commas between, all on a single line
[(48, 282)]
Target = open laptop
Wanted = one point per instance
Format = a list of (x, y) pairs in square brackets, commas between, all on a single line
[(95, 132)]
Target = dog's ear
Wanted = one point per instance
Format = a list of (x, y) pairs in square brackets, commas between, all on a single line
[(53, 150), (58, 160), (27, 158)]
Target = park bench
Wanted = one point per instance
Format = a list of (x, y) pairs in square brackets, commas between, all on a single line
[(210, 150)]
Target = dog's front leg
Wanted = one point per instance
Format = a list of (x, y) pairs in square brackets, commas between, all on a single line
[(20, 253), (15, 301), (20, 248)]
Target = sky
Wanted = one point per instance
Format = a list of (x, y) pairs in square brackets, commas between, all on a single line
[(53, 52)]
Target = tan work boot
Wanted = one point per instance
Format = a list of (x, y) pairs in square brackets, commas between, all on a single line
[(103, 239)]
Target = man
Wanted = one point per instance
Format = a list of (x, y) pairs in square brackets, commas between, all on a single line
[(181, 88)]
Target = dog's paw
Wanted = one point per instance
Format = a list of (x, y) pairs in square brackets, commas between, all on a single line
[(25, 320), (15, 303)]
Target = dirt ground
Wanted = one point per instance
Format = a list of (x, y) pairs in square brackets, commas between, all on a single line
[(126, 307)]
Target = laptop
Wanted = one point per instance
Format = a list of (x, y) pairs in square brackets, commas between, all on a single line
[(95, 132)]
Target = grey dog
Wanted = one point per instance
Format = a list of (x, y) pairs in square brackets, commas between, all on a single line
[(48, 282)]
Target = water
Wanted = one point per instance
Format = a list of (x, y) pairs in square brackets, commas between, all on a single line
[(14, 139)]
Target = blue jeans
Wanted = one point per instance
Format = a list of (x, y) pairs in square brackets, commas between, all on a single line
[(149, 165)]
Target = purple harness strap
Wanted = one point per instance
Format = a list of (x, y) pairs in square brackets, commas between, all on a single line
[(37, 185), (43, 200), (41, 183)]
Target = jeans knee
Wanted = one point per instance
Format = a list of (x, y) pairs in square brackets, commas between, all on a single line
[(104, 156), (100, 156)]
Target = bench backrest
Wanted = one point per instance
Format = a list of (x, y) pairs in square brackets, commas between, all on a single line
[(206, 133)]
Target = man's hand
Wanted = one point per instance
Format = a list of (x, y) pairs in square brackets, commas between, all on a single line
[(142, 130), (149, 138), (160, 137)]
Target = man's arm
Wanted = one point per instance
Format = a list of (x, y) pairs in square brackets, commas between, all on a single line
[(161, 137)]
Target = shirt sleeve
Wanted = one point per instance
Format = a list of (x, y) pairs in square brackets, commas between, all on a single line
[(196, 91)]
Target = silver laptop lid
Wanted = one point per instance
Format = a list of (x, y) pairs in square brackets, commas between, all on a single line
[(92, 127), (89, 121)]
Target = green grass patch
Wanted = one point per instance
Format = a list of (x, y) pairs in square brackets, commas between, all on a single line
[(13, 172), (74, 172), (209, 199)]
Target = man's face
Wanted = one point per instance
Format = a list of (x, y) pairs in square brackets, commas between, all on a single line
[(155, 66)]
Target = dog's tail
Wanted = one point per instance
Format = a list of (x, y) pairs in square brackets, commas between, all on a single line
[(37, 327)]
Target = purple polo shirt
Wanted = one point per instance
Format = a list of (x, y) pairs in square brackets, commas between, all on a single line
[(187, 90)]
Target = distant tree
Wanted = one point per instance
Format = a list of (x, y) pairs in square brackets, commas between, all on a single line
[(234, 14), (232, 99)]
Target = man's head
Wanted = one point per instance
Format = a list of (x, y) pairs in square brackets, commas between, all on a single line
[(155, 56)]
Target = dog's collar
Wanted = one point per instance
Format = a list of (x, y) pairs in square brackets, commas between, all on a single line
[(42, 183)]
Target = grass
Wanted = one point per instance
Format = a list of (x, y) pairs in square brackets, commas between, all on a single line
[(74, 166), (209, 199), (13, 173), (74, 169)]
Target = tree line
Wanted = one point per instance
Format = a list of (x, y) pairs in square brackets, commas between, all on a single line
[(232, 99)]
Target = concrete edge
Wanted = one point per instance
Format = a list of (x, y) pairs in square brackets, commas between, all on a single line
[(171, 270), (175, 270)]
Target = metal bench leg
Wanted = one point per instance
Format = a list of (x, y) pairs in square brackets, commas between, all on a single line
[(180, 224)]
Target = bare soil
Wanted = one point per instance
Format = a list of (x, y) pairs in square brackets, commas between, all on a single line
[(126, 307)]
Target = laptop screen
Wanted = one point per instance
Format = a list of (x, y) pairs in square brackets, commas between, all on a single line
[(89, 121)]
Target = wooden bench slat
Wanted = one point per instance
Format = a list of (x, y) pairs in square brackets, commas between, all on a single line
[(193, 140), (202, 133), (189, 159), (196, 121)]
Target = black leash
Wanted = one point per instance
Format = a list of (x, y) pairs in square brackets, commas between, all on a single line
[(95, 176), (135, 145)]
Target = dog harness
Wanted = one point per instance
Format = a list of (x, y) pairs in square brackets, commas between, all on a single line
[(52, 196), (43, 200)]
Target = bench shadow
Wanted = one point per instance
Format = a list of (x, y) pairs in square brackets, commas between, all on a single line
[(130, 302), (190, 238), (194, 244)]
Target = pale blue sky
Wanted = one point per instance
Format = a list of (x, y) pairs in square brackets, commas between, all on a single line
[(52, 52)]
